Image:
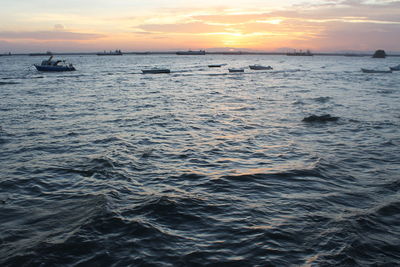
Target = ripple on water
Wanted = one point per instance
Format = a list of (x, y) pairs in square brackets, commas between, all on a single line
[(107, 166)]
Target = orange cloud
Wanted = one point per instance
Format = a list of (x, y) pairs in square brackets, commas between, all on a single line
[(231, 18), (49, 35), (193, 27)]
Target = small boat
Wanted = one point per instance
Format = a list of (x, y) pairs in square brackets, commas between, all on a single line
[(156, 71), (111, 53), (216, 65), (236, 70), (54, 65), (379, 54), (259, 67), (191, 52), (375, 71), (395, 68)]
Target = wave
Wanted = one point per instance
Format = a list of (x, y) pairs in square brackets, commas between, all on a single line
[(99, 167), (361, 239), (7, 83), (50, 222), (322, 99)]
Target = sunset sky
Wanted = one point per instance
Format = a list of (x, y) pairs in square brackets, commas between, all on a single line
[(154, 25)]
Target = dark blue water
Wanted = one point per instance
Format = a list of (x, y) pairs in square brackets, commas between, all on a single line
[(106, 166)]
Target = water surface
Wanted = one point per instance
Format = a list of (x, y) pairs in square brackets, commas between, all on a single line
[(106, 166)]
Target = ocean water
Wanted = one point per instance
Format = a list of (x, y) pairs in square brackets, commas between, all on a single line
[(106, 166)]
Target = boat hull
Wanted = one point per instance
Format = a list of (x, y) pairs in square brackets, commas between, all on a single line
[(156, 71), (236, 70), (376, 71), (54, 68), (255, 67)]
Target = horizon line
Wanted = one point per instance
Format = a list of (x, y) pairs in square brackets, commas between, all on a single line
[(227, 52)]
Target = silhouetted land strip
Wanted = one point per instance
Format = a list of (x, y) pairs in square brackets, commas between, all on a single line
[(238, 53)]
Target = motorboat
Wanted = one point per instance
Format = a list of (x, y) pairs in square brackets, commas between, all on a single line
[(259, 67), (216, 65), (379, 54), (156, 71), (375, 71), (236, 70), (395, 68), (54, 65)]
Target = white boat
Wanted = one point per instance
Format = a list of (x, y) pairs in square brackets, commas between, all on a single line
[(236, 70), (54, 65), (395, 68), (155, 71), (259, 67), (375, 71)]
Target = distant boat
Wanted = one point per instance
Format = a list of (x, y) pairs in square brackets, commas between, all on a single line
[(375, 71), (259, 67), (111, 53), (54, 65), (306, 53), (379, 54), (156, 71), (216, 65), (191, 52), (48, 53), (395, 68), (236, 70)]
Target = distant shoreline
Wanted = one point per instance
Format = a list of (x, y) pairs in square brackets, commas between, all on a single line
[(238, 53)]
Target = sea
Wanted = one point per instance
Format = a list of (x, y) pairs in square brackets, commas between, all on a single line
[(106, 166)]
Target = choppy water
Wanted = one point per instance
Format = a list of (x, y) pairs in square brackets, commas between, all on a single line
[(109, 167)]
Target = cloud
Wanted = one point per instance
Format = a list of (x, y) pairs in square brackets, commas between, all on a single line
[(190, 28), (231, 18), (318, 25), (48, 35), (58, 27), (144, 33), (358, 37), (383, 11)]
